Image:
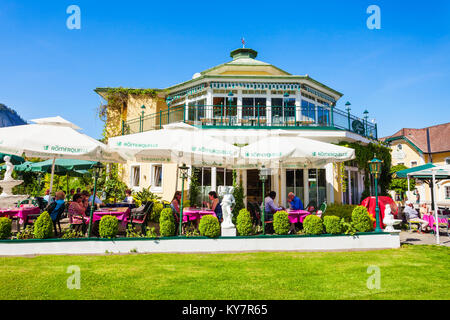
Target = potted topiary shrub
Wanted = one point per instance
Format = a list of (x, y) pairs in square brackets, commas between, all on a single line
[(209, 226), (332, 224), (109, 227), (244, 223), (361, 219), (281, 224), (313, 225), (5, 228), (166, 223), (43, 226)]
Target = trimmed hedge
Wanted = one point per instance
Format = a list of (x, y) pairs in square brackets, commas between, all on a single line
[(281, 224), (332, 224), (166, 223), (313, 225), (109, 227), (340, 210), (156, 212), (361, 219), (5, 228), (244, 223), (209, 226), (43, 226)]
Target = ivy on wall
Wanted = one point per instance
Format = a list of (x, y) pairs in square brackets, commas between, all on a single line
[(365, 153), (111, 112)]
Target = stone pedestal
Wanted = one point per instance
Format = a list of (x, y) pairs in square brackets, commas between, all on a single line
[(228, 232)]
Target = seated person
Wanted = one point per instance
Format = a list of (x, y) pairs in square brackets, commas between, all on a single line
[(295, 202), (47, 196), (97, 200), (215, 204), (59, 200), (176, 202), (269, 205), (424, 210), (77, 211), (412, 214), (128, 198)]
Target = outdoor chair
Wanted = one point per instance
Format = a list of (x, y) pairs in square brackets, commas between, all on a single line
[(442, 225), (311, 207), (41, 203), (268, 218), (57, 221), (322, 209), (140, 217), (412, 222), (31, 218), (28, 201), (253, 214)]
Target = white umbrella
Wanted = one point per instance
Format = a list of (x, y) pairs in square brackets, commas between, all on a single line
[(434, 173), (274, 151), (49, 140), (56, 121), (175, 145)]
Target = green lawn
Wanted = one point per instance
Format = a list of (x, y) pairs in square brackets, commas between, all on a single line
[(411, 272)]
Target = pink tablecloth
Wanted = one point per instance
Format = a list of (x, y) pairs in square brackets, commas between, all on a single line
[(190, 214), (21, 213), (296, 216), (121, 214), (430, 220)]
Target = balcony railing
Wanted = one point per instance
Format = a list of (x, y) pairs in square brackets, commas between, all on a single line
[(253, 117)]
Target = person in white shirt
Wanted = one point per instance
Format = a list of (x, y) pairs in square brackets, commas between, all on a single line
[(128, 197), (413, 215)]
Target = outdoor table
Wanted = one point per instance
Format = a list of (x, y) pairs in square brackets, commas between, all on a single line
[(121, 205), (21, 213), (121, 214), (296, 216), (190, 214), (430, 220)]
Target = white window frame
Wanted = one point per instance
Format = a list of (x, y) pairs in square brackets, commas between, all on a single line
[(132, 181), (447, 192), (153, 188), (447, 160)]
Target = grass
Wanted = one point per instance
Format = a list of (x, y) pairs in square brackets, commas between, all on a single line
[(411, 272)]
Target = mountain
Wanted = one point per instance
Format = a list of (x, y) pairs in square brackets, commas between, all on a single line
[(8, 117)]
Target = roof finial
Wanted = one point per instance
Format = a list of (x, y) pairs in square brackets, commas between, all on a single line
[(243, 42)]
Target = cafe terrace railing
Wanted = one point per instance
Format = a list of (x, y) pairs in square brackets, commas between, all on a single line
[(263, 117)]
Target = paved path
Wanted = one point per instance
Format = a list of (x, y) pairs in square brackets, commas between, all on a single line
[(407, 237)]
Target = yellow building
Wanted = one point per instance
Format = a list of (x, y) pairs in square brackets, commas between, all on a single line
[(236, 101), (415, 147)]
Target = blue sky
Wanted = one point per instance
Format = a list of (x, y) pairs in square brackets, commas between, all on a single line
[(401, 73)]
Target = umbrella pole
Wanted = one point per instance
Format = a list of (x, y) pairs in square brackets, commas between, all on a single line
[(408, 188), (435, 208), (52, 176), (67, 183)]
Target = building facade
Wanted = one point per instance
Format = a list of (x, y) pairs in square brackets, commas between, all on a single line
[(240, 101), (415, 147)]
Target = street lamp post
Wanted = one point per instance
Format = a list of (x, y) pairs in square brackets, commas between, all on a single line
[(142, 118), (375, 170), (366, 116), (184, 175), (97, 167), (348, 104), (263, 173)]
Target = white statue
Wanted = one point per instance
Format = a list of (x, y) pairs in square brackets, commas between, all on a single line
[(9, 169), (389, 220), (227, 201)]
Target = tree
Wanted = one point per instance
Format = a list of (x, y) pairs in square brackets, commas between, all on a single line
[(400, 186)]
